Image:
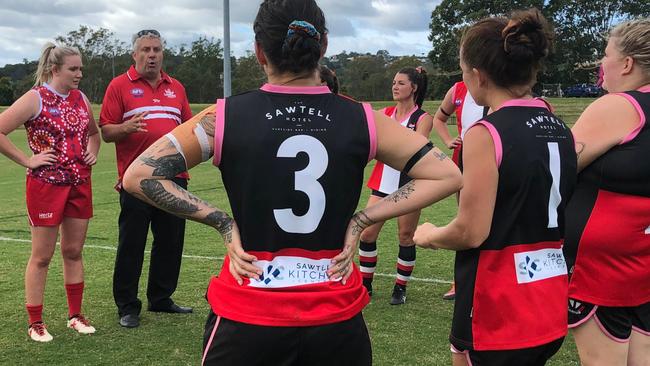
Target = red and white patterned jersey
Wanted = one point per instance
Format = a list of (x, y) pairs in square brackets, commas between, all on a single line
[(60, 125)]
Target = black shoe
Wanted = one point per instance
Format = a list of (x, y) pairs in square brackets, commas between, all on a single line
[(130, 321), (368, 286), (399, 295), (173, 308)]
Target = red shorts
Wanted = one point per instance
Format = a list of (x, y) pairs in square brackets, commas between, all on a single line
[(48, 204)]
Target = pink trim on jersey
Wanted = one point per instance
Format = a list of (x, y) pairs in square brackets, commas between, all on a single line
[(219, 126), (498, 148), (207, 347), (407, 116), (639, 110), (585, 319), (295, 89), (458, 352), (644, 89), (420, 119), (534, 102), (639, 330), (602, 329), (372, 130)]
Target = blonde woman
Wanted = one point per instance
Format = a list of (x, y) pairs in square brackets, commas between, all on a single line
[(608, 218), (63, 137)]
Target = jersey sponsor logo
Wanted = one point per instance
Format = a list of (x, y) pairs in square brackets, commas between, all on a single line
[(137, 92), (54, 111), (287, 271), (546, 122), (45, 215), (539, 265), (169, 93), (298, 113)]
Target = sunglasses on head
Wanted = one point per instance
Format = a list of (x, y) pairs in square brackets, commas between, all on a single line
[(146, 32)]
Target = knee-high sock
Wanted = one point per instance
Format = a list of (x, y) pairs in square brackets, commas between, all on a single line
[(35, 313), (405, 264), (367, 260), (75, 292)]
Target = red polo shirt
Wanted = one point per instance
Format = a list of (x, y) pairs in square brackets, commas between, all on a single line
[(128, 95)]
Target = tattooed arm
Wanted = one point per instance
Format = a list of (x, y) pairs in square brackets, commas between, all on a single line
[(434, 175), (477, 198), (150, 179)]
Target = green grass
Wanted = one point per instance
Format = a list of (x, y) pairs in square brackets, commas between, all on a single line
[(412, 334)]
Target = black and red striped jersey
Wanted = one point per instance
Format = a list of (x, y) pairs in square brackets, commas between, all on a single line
[(511, 291), (292, 161), (608, 220)]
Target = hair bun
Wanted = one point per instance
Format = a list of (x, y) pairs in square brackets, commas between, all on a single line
[(525, 36)]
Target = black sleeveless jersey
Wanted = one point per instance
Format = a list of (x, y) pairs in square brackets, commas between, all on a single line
[(519, 268), (293, 167), (292, 161), (608, 220)]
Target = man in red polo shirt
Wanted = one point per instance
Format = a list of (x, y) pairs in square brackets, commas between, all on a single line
[(139, 107)]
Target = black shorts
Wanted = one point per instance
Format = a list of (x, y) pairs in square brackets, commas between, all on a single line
[(533, 356), (616, 322), (228, 342)]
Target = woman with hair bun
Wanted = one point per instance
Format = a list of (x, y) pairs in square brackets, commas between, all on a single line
[(292, 157), (409, 89), (519, 170), (608, 218), (62, 135)]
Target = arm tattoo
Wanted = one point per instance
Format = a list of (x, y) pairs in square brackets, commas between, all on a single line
[(403, 193), (440, 155), (180, 206), (208, 123), (361, 221), (222, 222), (167, 166), (580, 147)]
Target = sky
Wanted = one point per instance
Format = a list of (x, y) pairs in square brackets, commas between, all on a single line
[(399, 26)]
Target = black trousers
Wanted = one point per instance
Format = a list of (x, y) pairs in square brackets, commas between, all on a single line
[(233, 343), (166, 253)]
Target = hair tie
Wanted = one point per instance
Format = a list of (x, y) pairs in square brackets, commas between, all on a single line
[(305, 27)]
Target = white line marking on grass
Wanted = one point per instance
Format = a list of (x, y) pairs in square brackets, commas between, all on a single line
[(104, 247)]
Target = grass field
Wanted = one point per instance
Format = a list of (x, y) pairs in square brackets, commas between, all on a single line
[(412, 334)]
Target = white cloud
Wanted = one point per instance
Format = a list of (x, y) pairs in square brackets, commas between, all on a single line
[(401, 27)]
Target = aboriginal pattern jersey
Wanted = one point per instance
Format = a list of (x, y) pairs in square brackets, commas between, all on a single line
[(62, 126)]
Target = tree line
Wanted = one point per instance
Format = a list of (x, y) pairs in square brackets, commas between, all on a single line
[(580, 26)]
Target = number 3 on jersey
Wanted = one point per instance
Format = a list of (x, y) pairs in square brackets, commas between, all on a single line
[(306, 181)]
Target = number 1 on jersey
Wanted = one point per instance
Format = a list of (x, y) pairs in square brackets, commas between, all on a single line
[(555, 197), (306, 181)]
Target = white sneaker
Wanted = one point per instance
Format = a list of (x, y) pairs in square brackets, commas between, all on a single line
[(38, 332), (81, 324)]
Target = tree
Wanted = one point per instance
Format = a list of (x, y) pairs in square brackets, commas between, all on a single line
[(103, 56), (448, 20), (6, 91), (247, 74), (579, 27), (200, 70)]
